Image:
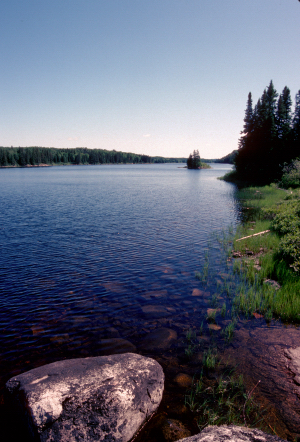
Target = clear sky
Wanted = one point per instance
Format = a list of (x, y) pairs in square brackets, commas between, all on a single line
[(159, 77)]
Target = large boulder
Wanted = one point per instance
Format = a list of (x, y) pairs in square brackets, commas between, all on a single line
[(104, 398), (231, 433)]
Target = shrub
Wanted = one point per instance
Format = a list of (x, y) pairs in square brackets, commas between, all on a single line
[(291, 175)]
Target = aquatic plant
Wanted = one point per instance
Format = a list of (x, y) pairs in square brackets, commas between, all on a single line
[(215, 299), (224, 400), (211, 315), (229, 331), (189, 351), (190, 334), (209, 359), (223, 310)]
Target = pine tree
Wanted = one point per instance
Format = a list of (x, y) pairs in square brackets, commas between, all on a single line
[(296, 128), (245, 141), (194, 161), (248, 115), (196, 158), (248, 122), (284, 126), (257, 145)]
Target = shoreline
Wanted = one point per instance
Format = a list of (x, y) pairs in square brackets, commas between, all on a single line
[(28, 166)]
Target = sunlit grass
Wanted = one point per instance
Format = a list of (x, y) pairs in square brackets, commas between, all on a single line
[(260, 260), (255, 244), (261, 197)]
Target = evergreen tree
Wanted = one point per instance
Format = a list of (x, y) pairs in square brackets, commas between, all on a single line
[(284, 125), (256, 147), (246, 152), (248, 120), (194, 161), (270, 136), (296, 127), (266, 134), (284, 113)]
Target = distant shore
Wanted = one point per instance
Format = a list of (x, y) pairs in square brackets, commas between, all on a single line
[(27, 165)]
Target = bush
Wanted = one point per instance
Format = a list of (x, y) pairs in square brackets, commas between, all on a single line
[(291, 175), (287, 223), (290, 248)]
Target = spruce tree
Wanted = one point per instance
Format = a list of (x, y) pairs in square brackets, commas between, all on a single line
[(248, 115), (284, 125), (196, 158), (270, 136), (245, 141), (194, 161), (296, 128)]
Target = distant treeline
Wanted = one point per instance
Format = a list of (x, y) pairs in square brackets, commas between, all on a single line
[(34, 156), (228, 159)]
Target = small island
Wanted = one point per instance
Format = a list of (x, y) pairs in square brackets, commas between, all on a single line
[(194, 161)]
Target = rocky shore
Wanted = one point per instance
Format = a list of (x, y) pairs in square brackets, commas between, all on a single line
[(109, 398)]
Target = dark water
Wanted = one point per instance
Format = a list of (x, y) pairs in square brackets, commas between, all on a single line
[(84, 249)]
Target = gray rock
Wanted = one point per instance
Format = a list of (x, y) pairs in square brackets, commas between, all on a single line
[(231, 433), (105, 398), (272, 283), (294, 355)]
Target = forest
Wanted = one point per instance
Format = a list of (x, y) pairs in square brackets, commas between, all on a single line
[(34, 156), (270, 138)]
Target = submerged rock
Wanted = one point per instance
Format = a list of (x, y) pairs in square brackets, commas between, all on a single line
[(159, 339), (104, 398), (183, 380), (214, 327), (112, 332), (197, 292), (155, 311), (115, 346), (231, 433), (173, 429)]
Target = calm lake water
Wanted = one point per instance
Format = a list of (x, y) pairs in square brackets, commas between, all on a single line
[(99, 252)]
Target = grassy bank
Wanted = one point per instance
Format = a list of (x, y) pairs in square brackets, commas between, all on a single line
[(261, 282), (268, 264)]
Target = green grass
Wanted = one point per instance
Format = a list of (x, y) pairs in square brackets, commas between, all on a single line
[(211, 315), (229, 331), (210, 358), (267, 241), (189, 351), (276, 253), (220, 397), (223, 400), (190, 335), (261, 197)]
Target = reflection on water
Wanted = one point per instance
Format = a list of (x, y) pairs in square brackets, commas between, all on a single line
[(97, 253)]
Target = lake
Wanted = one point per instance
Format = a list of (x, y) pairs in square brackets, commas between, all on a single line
[(94, 255)]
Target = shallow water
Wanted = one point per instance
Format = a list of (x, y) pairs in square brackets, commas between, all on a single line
[(83, 248), (95, 255)]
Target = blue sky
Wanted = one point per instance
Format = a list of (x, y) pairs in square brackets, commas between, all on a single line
[(146, 76)]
